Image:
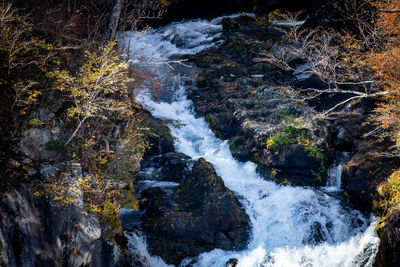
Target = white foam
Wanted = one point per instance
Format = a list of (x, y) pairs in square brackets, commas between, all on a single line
[(290, 226), (138, 247)]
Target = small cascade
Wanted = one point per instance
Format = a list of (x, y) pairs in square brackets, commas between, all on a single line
[(334, 176), (140, 255), (334, 179)]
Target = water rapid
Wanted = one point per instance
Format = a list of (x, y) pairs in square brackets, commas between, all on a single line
[(290, 226)]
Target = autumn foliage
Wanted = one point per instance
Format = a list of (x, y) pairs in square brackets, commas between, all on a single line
[(385, 60)]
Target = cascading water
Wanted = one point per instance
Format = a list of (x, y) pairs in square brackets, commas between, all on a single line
[(334, 181), (290, 226)]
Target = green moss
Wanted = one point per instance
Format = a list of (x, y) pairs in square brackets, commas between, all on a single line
[(315, 151), (286, 135)]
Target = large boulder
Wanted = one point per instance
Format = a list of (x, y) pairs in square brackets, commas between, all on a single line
[(199, 215), (295, 165), (170, 166)]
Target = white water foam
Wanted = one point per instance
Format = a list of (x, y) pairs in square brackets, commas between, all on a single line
[(290, 226), (140, 255)]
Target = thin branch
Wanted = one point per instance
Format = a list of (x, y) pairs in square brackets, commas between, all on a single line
[(390, 10), (340, 91)]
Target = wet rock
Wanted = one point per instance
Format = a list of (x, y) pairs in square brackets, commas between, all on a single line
[(222, 123), (292, 164), (240, 148), (346, 131), (242, 23), (232, 262), (174, 166), (158, 135), (201, 214), (170, 166), (293, 157)]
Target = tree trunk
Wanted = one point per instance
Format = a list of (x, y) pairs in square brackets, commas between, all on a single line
[(76, 131), (112, 28)]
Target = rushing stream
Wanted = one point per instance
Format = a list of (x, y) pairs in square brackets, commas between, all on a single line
[(290, 226)]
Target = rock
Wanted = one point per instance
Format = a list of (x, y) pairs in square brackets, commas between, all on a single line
[(179, 9), (346, 131), (306, 78), (170, 166), (242, 23), (389, 247), (158, 134), (174, 166), (229, 24), (362, 174), (232, 262), (34, 232), (201, 214), (222, 123), (293, 157), (45, 115), (295, 165), (33, 143), (48, 171), (248, 110), (240, 148)]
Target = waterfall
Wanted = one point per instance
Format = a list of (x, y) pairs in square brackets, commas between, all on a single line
[(290, 226), (334, 180)]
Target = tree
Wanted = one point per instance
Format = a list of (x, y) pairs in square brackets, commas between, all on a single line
[(339, 57), (99, 89), (386, 63)]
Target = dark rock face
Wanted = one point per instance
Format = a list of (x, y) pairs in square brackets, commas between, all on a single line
[(35, 233), (201, 214), (389, 248), (158, 136), (364, 172), (361, 177)]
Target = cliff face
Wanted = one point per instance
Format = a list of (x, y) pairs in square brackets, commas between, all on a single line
[(33, 232)]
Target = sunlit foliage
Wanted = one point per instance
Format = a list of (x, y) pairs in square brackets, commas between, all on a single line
[(99, 89)]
